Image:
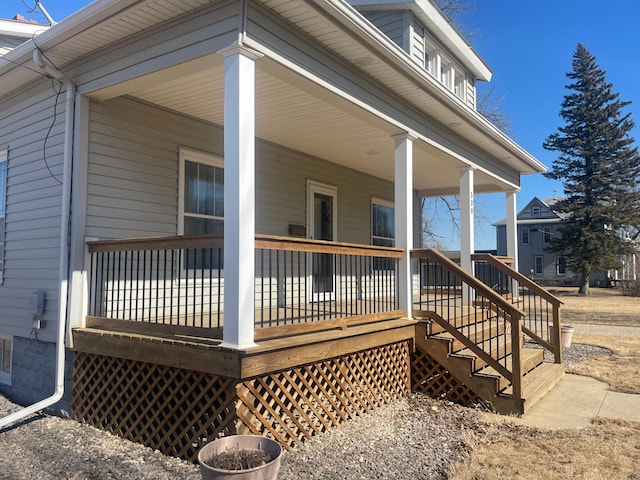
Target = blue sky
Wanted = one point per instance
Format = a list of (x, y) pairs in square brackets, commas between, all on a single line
[(529, 46)]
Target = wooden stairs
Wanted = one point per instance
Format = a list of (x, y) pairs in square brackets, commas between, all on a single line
[(491, 386)]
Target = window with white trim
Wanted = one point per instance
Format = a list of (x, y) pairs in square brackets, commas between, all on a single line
[(546, 235), (535, 211), (6, 347), (525, 236), (459, 85), (382, 229), (201, 201), (562, 265), (3, 207), (539, 265)]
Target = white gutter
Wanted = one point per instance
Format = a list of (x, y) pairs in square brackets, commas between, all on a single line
[(65, 228)]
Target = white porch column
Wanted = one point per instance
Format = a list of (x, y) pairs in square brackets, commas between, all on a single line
[(403, 206), (467, 247), (512, 228), (512, 237), (239, 196)]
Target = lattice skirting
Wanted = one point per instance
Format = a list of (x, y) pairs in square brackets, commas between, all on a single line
[(431, 378), (176, 411)]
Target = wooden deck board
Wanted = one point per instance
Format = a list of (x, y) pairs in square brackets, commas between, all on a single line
[(205, 354)]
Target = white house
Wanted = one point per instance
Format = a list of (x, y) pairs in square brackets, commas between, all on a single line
[(212, 191)]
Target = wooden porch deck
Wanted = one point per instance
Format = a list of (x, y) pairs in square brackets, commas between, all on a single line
[(187, 347)]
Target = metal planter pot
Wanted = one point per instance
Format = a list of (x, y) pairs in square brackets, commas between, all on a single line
[(268, 471)]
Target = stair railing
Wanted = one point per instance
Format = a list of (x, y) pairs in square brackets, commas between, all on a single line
[(463, 305), (541, 319)]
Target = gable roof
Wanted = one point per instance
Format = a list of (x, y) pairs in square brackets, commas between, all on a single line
[(546, 213)]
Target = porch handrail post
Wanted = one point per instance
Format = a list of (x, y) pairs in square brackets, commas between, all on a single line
[(516, 352), (403, 184), (239, 196)]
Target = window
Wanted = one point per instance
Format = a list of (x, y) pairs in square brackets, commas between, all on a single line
[(458, 87), (5, 359), (539, 266), (525, 236), (562, 266), (535, 211), (546, 235), (382, 230), (201, 202), (3, 207), (446, 72)]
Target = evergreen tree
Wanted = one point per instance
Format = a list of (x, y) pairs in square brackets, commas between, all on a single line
[(600, 171)]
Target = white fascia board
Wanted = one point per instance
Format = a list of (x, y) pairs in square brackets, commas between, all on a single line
[(440, 26), (14, 28)]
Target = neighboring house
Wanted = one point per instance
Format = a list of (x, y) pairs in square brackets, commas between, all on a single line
[(538, 223), (17, 31), (212, 214)]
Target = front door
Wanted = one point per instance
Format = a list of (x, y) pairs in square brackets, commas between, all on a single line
[(322, 206)]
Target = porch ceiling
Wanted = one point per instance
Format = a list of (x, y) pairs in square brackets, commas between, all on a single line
[(300, 115)]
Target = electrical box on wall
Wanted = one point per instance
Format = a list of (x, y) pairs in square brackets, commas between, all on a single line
[(37, 302)]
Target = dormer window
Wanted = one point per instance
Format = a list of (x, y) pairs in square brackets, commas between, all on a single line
[(458, 87)]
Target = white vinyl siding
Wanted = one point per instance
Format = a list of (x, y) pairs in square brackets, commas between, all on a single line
[(417, 47), (33, 206), (391, 23), (133, 167)]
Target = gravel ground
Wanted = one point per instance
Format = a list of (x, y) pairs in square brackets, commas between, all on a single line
[(412, 438)]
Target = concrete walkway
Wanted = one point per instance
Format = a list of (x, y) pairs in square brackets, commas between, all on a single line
[(576, 400)]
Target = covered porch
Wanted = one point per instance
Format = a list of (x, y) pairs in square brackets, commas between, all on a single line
[(227, 272)]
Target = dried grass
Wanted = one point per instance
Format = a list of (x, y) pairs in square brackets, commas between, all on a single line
[(604, 306), (609, 449), (619, 370)]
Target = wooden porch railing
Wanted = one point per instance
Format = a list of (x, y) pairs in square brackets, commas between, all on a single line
[(541, 321), (301, 284), (459, 302)]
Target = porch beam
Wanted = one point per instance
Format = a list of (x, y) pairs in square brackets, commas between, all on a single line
[(404, 216), (239, 196), (467, 246)]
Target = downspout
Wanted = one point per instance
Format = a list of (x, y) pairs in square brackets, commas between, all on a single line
[(65, 231)]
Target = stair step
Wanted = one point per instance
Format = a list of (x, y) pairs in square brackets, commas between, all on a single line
[(493, 348), (481, 332), (538, 382), (478, 317), (530, 359)]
